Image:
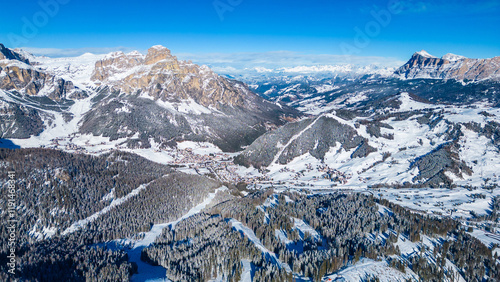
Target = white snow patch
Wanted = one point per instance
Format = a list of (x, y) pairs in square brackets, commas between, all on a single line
[(423, 53), (200, 148), (238, 226), (487, 238), (367, 267), (306, 228), (116, 202), (246, 275)]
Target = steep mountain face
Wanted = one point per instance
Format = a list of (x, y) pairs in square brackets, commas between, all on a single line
[(156, 97), (17, 74), (450, 66), (142, 121), (161, 76), (138, 98), (19, 121), (23, 78), (31, 99), (7, 54)]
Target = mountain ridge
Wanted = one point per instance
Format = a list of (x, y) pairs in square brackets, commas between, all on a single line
[(450, 66), (133, 97)]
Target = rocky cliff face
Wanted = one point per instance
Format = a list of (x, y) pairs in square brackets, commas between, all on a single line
[(424, 65), (157, 97), (160, 75), (18, 74), (7, 54), (27, 80)]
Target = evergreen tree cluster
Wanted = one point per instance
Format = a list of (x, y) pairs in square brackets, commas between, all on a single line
[(56, 189), (207, 246)]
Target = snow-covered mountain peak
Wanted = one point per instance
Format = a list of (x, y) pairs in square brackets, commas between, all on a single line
[(116, 54), (452, 57), (39, 76), (130, 96), (424, 53), (135, 53), (160, 75), (158, 47), (87, 55)]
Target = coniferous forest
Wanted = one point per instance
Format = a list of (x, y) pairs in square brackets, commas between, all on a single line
[(283, 236)]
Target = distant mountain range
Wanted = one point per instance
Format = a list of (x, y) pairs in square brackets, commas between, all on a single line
[(451, 79), (421, 65)]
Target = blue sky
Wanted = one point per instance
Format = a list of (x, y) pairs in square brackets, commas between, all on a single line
[(314, 27)]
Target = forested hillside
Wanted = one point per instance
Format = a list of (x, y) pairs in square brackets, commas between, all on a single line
[(69, 203), (309, 236)]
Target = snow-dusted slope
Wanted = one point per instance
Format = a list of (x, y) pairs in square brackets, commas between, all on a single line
[(147, 272), (413, 143), (76, 69), (370, 268)]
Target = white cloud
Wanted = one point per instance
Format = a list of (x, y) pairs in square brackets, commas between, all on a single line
[(283, 59), (72, 52)]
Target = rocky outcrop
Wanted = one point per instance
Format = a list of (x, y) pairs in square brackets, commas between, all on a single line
[(17, 74), (161, 76), (25, 79), (156, 96), (158, 53), (115, 63), (7, 54), (424, 65)]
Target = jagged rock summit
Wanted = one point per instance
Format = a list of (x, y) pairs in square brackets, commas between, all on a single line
[(450, 66), (142, 99), (160, 75), (7, 54)]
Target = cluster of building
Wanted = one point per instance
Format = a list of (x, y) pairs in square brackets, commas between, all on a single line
[(334, 174)]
